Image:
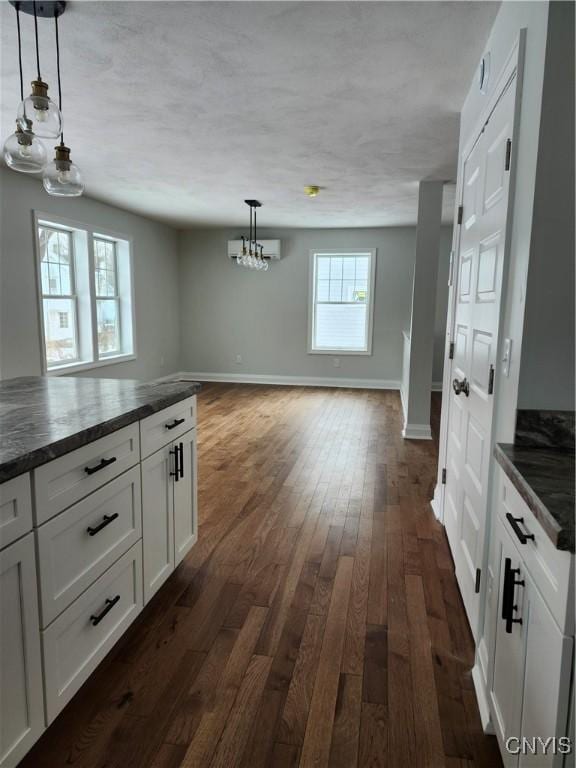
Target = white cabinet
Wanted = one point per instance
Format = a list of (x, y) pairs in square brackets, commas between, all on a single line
[(21, 697), (532, 657), (169, 509)]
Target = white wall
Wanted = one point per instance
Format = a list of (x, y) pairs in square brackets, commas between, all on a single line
[(155, 280), (227, 310), (547, 361)]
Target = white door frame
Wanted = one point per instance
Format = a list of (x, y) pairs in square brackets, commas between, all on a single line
[(513, 67)]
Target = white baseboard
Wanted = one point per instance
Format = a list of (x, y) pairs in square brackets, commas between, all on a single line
[(417, 432), (298, 381), (482, 698)]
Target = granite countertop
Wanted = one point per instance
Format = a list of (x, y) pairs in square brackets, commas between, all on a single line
[(43, 417), (544, 477)]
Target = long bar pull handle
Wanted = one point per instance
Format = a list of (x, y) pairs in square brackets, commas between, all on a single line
[(175, 423), (103, 464), (109, 604), (176, 473), (522, 537), (181, 446), (106, 520)]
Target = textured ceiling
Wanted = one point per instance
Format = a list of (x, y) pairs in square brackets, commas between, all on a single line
[(181, 110)]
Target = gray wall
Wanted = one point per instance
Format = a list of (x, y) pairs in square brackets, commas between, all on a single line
[(155, 277), (547, 364), (227, 310)]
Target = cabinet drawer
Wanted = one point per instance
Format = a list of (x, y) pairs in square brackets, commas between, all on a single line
[(78, 545), (64, 481), (167, 425), (551, 569), (80, 637), (15, 509)]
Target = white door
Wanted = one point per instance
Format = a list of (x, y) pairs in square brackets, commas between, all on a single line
[(509, 654), (21, 690), (485, 187), (185, 497), (157, 519)]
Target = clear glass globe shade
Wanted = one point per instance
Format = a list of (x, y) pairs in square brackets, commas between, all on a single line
[(63, 179), (23, 152), (265, 266), (39, 113)]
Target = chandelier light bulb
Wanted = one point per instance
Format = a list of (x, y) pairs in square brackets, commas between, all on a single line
[(23, 152), (40, 111), (62, 178)]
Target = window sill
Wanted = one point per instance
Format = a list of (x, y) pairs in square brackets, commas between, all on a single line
[(339, 352), (62, 370)]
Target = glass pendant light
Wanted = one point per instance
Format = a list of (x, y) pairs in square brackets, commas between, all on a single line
[(62, 178), (23, 152), (38, 111)]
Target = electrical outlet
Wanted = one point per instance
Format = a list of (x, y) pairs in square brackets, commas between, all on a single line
[(336, 362), (238, 359)]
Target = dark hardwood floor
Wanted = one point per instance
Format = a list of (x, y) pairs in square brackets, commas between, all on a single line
[(317, 622)]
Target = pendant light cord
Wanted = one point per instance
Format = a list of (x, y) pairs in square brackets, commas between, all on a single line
[(20, 52), (37, 46), (58, 72), (255, 240)]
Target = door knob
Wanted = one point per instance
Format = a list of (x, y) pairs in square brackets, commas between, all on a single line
[(461, 386)]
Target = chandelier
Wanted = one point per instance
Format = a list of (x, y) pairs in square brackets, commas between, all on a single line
[(252, 257)]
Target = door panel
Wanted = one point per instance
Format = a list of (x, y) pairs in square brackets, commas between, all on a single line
[(185, 499), (480, 263), (157, 519)]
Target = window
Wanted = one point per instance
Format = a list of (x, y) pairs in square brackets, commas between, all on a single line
[(107, 298), (85, 283), (342, 290), (58, 295)]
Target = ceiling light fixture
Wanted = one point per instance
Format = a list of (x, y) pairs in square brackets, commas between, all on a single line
[(311, 190), (62, 178), (38, 112), (23, 152), (253, 256)]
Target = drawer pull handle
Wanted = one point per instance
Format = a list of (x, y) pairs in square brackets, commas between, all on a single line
[(181, 446), (107, 519), (103, 464), (110, 603), (175, 423), (522, 537)]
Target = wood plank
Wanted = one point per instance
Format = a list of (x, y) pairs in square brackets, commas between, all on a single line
[(373, 748), (346, 730), (428, 731), (316, 747)]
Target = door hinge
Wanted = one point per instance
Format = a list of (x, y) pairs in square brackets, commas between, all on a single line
[(460, 213), (477, 584), (508, 154), (444, 477), (491, 381), (451, 351)]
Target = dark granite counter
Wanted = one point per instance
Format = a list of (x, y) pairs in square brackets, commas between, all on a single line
[(544, 477), (42, 417)]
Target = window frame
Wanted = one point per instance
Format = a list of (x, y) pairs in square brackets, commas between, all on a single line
[(88, 358), (312, 303)]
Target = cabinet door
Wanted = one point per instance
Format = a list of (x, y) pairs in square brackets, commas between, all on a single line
[(157, 519), (546, 682), (185, 497), (509, 654), (21, 693)]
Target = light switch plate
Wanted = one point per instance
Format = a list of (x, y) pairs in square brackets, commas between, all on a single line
[(506, 355)]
